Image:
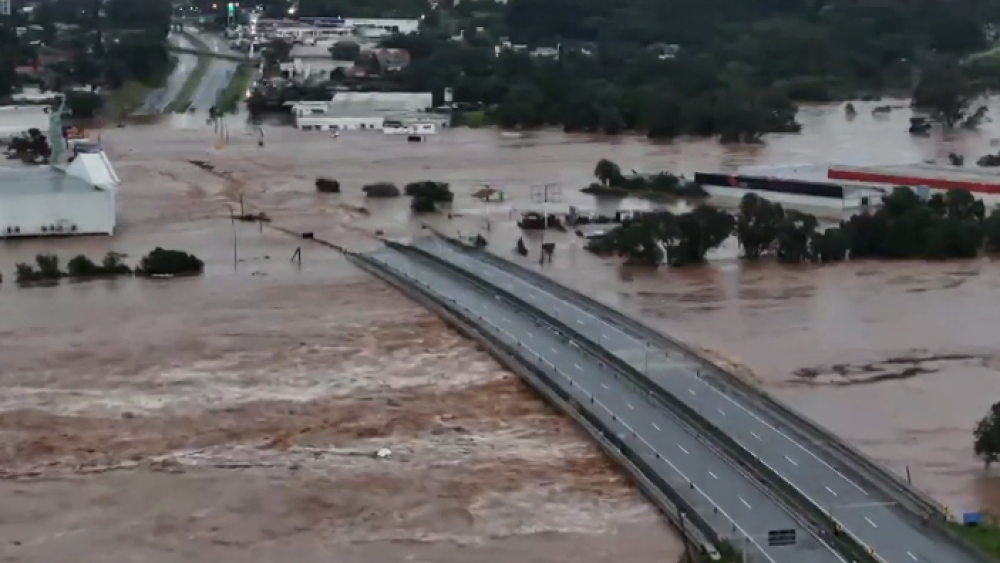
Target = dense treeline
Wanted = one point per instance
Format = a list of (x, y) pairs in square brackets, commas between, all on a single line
[(158, 263), (670, 67), (949, 225), (127, 44)]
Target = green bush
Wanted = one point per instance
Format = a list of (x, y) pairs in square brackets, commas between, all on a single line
[(164, 263)]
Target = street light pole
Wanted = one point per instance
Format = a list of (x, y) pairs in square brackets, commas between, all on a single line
[(232, 220)]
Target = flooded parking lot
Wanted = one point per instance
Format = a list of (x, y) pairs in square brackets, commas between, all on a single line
[(250, 402)]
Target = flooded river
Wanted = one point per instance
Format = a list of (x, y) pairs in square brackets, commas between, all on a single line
[(270, 368)]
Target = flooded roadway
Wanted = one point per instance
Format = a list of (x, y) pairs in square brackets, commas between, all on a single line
[(269, 369)]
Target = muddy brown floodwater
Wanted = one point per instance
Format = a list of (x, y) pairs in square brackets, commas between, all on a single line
[(237, 414)]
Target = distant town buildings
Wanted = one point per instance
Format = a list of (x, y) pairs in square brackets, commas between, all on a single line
[(5, 7), (368, 111)]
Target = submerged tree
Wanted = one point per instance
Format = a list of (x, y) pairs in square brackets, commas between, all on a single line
[(758, 224), (607, 173), (654, 238), (987, 437), (946, 92)]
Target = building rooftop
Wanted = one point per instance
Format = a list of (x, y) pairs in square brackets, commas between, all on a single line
[(805, 172), (968, 174), (363, 104), (39, 180)]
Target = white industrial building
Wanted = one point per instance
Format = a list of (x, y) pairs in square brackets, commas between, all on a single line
[(78, 199), (840, 199), (368, 111)]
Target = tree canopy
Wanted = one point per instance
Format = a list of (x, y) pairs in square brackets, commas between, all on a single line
[(669, 67), (987, 437), (950, 225)]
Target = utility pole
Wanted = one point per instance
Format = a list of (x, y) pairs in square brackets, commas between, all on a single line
[(543, 195), (232, 219)]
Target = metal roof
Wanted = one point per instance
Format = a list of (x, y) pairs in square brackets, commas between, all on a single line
[(40, 180), (365, 104), (928, 171)]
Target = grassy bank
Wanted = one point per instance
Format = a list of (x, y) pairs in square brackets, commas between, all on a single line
[(236, 90), (126, 100), (986, 536), (183, 99)]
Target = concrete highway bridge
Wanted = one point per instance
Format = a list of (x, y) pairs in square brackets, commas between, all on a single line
[(731, 467)]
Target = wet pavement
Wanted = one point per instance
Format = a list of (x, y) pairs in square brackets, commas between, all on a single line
[(158, 100), (137, 388)]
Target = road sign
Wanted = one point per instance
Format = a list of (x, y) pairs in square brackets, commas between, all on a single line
[(781, 537)]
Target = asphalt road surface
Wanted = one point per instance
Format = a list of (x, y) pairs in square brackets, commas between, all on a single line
[(158, 100), (894, 535), (206, 94), (217, 77), (694, 469)]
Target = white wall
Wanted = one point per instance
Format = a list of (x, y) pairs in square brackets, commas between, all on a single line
[(91, 212), (404, 25), (325, 123)]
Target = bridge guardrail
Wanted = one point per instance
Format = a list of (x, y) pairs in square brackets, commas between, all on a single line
[(674, 507), (891, 483), (856, 548)]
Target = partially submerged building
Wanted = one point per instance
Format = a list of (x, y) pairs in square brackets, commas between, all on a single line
[(800, 187), (77, 199), (932, 176), (370, 111)]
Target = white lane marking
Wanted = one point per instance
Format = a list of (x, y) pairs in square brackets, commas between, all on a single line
[(506, 320), (754, 434), (869, 520), (655, 426), (692, 391), (714, 476), (682, 448), (630, 405), (700, 491), (831, 491), (747, 504), (792, 461), (529, 334), (554, 351), (579, 321), (782, 434), (577, 366), (601, 321), (532, 297), (605, 385), (912, 556)]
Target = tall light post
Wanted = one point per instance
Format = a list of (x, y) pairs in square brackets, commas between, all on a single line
[(232, 220)]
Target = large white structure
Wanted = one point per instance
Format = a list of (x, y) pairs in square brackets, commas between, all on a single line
[(840, 201), (367, 111), (4, 7), (80, 199)]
